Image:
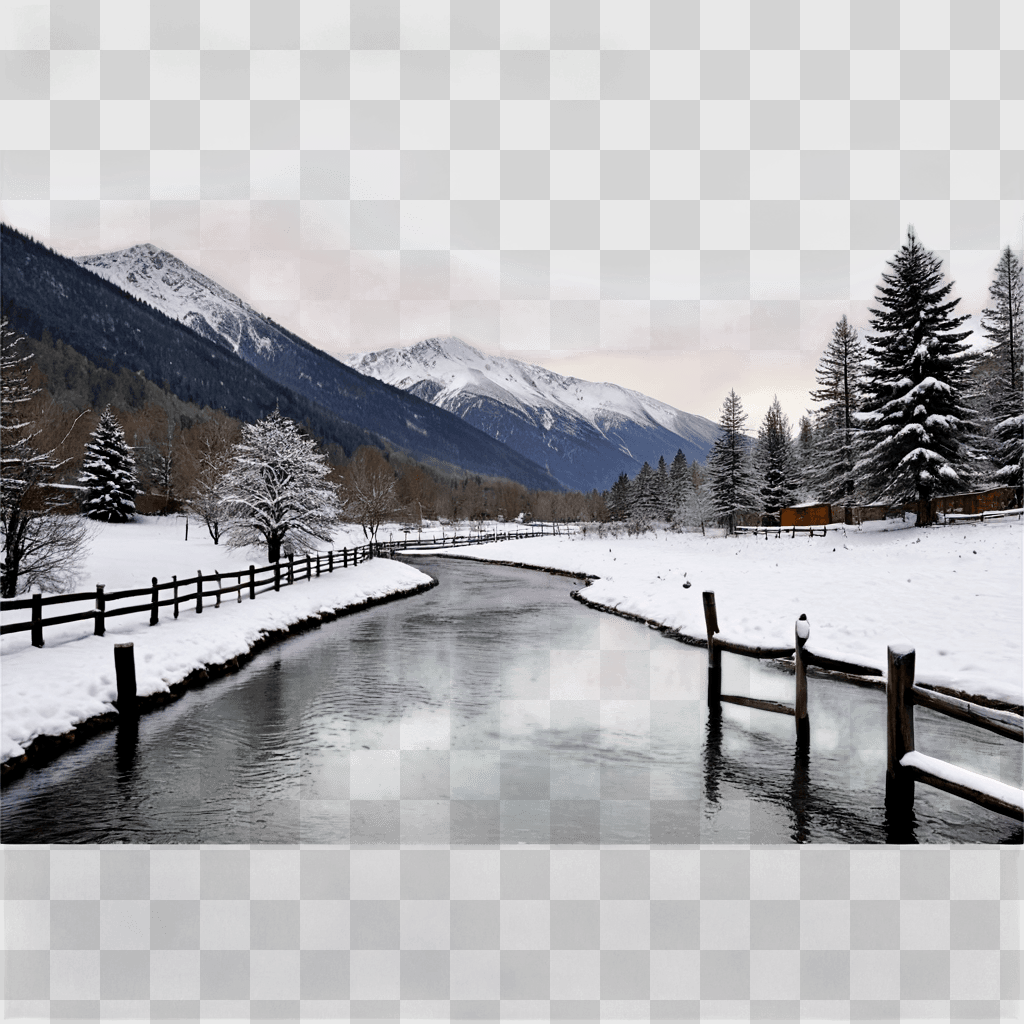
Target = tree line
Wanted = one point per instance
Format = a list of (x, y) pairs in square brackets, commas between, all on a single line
[(267, 484)]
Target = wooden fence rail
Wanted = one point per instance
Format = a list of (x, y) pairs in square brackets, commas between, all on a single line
[(202, 590), (907, 765)]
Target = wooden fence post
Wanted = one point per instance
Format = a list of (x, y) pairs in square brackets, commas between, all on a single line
[(803, 728), (154, 611), (714, 651), (124, 669), (252, 582), (330, 560), (344, 555), (318, 563), (900, 732), (217, 574), (309, 574), (37, 620), (238, 592), (277, 575), (175, 579), (100, 626), (291, 568), (199, 591)]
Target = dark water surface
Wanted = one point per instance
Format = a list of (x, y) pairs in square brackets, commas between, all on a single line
[(495, 709)]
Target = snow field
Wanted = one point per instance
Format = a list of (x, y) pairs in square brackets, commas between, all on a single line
[(953, 593), (49, 691)]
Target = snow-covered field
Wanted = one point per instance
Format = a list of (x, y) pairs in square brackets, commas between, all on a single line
[(953, 592), (49, 691)]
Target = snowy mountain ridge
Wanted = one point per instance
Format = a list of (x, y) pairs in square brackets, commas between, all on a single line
[(585, 432), (184, 294)]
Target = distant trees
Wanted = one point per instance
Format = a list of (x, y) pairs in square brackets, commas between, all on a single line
[(1003, 323), (108, 478), (207, 451), (775, 463), (42, 542), (276, 490), (915, 424), (369, 491), (730, 468)]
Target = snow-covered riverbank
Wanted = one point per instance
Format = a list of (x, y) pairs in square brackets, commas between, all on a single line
[(50, 691), (954, 593)]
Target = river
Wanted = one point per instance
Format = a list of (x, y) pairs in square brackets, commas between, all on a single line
[(495, 709)]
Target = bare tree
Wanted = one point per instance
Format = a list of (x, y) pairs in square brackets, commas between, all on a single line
[(368, 490), (207, 452), (43, 542)]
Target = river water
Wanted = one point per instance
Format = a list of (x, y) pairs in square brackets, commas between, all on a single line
[(495, 709)]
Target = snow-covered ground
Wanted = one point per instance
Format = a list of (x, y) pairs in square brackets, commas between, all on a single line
[(953, 592), (48, 691)]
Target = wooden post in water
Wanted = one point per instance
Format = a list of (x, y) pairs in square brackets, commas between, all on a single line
[(900, 733), (803, 726), (154, 610), (124, 669), (100, 626), (714, 652), (37, 619)]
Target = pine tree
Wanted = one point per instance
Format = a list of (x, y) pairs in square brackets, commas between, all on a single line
[(1003, 323), (804, 455), (914, 428), (662, 492), (43, 542), (108, 474), (277, 491), (831, 477), (730, 468), (775, 463), (678, 478), (619, 500), (643, 508)]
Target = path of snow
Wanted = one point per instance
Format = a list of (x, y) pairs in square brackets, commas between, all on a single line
[(50, 690), (953, 593)]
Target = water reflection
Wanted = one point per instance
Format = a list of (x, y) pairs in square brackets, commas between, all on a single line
[(494, 709)]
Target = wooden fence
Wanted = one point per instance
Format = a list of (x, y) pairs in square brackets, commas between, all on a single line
[(790, 531), (905, 764), (207, 590)]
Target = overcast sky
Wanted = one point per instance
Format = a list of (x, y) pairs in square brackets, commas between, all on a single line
[(678, 197)]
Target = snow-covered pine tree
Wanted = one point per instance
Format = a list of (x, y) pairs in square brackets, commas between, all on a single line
[(662, 492), (1003, 323), (277, 491), (730, 467), (915, 424), (43, 542), (108, 474), (831, 477), (644, 506), (803, 453), (773, 458), (619, 498), (678, 476)]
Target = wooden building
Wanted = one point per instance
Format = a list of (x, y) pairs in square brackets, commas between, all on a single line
[(809, 513)]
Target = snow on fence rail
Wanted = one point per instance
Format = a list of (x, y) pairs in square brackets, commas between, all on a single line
[(779, 531), (201, 589), (953, 518), (905, 764)]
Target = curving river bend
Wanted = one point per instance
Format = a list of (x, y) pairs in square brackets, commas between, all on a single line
[(495, 709)]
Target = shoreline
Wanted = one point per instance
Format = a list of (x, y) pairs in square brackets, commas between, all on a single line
[(46, 748)]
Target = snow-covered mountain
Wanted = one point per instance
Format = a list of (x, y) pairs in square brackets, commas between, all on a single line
[(360, 409), (185, 295), (584, 433)]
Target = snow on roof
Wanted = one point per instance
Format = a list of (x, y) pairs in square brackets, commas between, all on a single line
[(809, 504)]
